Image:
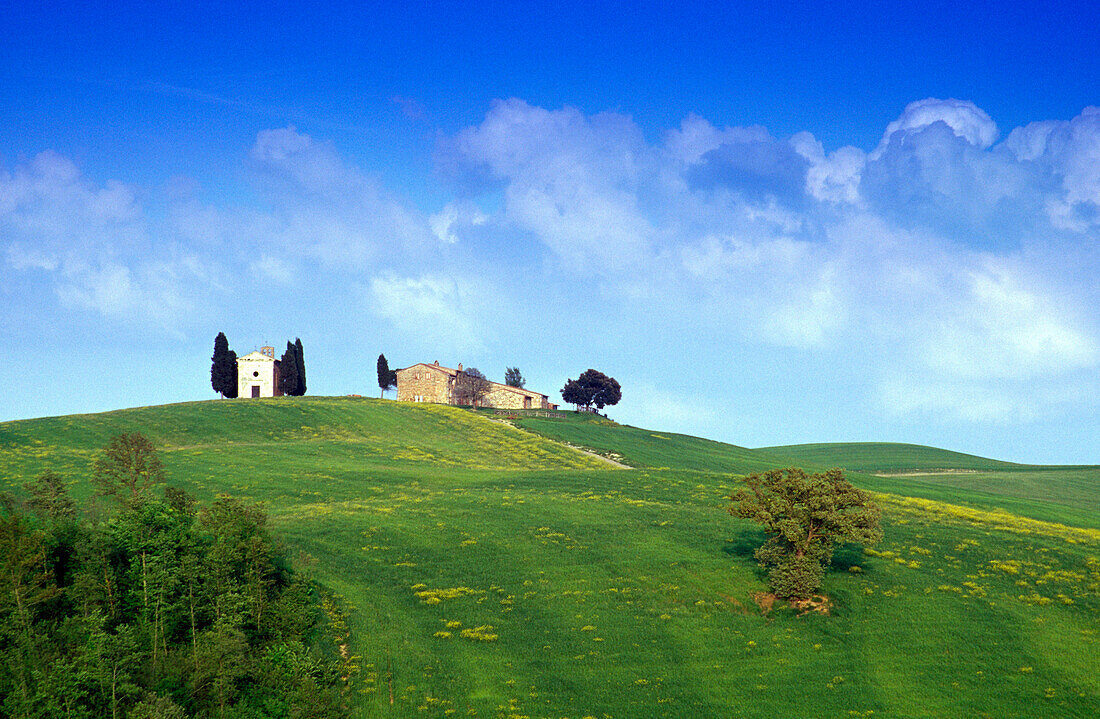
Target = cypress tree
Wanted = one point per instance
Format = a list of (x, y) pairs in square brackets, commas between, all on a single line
[(223, 368), (301, 367), (288, 370), (387, 378)]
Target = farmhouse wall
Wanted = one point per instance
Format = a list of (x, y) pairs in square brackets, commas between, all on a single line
[(425, 383), (505, 397), (434, 383)]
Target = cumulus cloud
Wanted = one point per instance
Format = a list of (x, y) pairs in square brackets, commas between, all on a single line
[(965, 120), (569, 179), (933, 248), (940, 273), (1004, 329), (1070, 152), (834, 177), (756, 169), (48, 209), (325, 209), (453, 314), (92, 244)]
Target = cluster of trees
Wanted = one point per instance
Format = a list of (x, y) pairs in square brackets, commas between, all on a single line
[(223, 369), (292, 370), (592, 389), (151, 606), (804, 517)]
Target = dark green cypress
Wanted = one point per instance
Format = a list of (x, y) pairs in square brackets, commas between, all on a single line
[(223, 368), (288, 371), (387, 378), (301, 367)]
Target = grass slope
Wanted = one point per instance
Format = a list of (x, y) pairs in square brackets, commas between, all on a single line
[(495, 573), (1068, 494), (886, 457), (647, 448)]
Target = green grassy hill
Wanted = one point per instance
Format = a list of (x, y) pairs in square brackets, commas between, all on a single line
[(886, 457), (647, 448), (492, 571), (1069, 494)]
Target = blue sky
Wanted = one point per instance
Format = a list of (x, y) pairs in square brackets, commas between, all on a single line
[(792, 223)]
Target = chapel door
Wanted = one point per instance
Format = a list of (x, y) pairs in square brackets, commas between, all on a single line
[(255, 390)]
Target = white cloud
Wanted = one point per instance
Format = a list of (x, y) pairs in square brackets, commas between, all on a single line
[(939, 275), (696, 136), (94, 247), (49, 210), (1000, 328), (834, 177), (965, 119), (454, 217), (327, 210), (938, 400), (571, 180), (455, 315), (1070, 151)]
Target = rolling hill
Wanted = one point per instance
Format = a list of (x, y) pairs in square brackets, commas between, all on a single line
[(496, 571), (887, 457)]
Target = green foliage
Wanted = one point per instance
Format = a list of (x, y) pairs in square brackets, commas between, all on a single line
[(128, 469), (223, 368), (155, 611), (804, 517), (288, 371), (387, 378), (299, 356), (50, 497), (592, 389), (513, 377)]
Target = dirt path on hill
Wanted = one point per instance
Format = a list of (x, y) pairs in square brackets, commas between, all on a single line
[(927, 473), (589, 452)]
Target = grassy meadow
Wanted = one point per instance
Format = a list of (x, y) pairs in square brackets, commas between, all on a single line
[(496, 571)]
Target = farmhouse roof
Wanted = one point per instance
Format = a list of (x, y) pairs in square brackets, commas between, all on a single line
[(436, 365)]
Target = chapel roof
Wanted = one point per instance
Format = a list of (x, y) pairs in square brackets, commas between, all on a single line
[(257, 355)]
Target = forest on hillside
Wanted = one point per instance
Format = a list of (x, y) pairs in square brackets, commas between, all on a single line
[(142, 604)]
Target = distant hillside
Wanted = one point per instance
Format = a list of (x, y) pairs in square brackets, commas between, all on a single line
[(648, 448), (493, 571), (885, 457)]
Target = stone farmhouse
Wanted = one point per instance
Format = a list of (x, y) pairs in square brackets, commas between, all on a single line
[(433, 383), (258, 374)]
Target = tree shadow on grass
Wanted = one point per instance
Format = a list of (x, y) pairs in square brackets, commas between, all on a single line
[(847, 556), (744, 543)]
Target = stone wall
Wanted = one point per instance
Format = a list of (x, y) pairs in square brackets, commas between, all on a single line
[(431, 383), (505, 397), (424, 383)]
